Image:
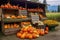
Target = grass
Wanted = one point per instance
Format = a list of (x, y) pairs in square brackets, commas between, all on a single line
[(54, 16)]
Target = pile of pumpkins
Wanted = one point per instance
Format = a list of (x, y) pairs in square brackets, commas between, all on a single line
[(14, 17), (8, 5), (50, 22), (7, 26), (29, 32)]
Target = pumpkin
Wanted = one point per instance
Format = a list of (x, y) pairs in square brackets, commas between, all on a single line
[(35, 10), (38, 10), (30, 36), (37, 35), (6, 16), (24, 8), (21, 32), (14, 7), (20, 8), (6, 6), (28, 9), (39, 31), (19, 35), (12, 26), (33, 35), (18, 17), (9, 5), (23, 35), (42, 32), (17, 26), (24, 16), (13, 16), (5, 26), (31, 10), (46, 28), (2, 6), (27, 35), (9, 26), (46, 32), (31, 31)]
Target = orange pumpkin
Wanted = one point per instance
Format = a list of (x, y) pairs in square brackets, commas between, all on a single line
[(9, 5), (42, 32), (24, 8), (15, 24), (27, 35), (19, 35), (23, 35), (20, 8), (28, 9), (18, 17), (12, 26), (47, 28), (6, 6), (30, 36), (46, 32), (34, 35), (13, 16), (5, 26), (39, 31), (38, 10), (21, 32), (24, 16), (9, 26), (14, 7), (31, 31), (2, 6)]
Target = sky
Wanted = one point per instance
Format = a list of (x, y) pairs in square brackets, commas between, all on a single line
[(52, 2), (52, 8)]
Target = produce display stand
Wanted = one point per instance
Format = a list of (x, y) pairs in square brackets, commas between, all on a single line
[(25, 4)]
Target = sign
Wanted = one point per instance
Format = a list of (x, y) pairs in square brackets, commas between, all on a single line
[(22, 12), (35, 18)]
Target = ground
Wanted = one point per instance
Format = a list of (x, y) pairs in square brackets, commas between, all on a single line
[(50, 36)]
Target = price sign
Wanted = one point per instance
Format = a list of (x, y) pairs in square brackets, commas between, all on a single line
[(35, 18), (23, 12)]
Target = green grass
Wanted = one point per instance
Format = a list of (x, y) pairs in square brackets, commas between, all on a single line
[(54, 16)]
